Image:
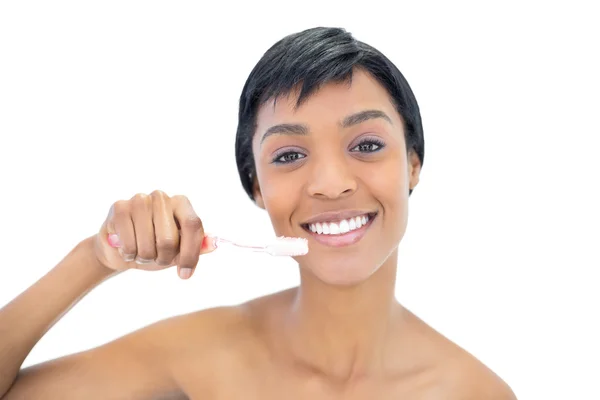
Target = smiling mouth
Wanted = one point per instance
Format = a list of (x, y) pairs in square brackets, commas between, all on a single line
[(340, 227), (341, 232)]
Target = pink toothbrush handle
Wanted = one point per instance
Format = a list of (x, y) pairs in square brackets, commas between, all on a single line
[(113, 240)]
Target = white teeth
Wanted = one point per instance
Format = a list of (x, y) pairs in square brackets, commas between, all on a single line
[(341, 227), (344, 226), (334, 228), (352, 224), (319, 227)]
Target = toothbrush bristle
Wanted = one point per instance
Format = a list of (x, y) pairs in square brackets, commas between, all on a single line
[(288, 246)]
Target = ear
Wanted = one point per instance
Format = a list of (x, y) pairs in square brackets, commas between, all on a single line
[(258, 199), (414, 169)]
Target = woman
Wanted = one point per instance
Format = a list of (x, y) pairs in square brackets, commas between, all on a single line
[(330, 144)]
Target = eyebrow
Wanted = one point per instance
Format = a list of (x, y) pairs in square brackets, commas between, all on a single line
[(363, 116), (285, 129), (302, 130)]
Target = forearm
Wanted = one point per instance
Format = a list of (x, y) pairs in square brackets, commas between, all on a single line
[(29, 316)]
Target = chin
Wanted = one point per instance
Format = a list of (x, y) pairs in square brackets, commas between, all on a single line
[(339, 273)]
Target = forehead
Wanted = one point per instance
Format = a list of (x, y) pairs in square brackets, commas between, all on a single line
[(329, 104)]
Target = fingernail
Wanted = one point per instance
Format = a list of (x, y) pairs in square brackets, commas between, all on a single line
[(126, 257), (185, 273), (113, 240), (142, 261)]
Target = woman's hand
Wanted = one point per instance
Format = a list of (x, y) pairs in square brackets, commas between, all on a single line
[(152, 232)]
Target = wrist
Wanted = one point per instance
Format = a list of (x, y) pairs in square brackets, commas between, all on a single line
[(86, 252)]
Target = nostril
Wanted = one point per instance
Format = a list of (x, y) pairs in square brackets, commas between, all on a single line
[(332, 188)]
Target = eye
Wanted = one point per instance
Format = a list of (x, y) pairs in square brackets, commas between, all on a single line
[(369, 146), (288, 157)]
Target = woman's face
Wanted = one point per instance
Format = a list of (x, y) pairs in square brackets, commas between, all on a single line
[(335, 171)]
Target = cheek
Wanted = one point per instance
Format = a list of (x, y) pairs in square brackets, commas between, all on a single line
[(280, 195), (388, 182), (276, 191)]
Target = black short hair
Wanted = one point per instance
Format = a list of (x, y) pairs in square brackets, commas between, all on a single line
[(306, 61)]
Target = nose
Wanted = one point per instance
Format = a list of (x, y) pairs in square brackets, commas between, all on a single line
[(332, 178)]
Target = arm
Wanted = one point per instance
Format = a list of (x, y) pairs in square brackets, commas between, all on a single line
[(132, 364), (152, 232)]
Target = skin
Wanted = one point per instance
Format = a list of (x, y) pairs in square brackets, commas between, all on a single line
[(340, 335)]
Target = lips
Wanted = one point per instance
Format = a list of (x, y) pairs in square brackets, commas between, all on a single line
[(338, 229)]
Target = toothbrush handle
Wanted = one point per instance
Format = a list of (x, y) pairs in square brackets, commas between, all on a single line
[(219, 240)]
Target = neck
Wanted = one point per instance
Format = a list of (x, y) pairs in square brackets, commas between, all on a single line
[(343, 333)]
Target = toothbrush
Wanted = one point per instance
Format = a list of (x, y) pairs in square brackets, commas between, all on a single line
[(280, 246)]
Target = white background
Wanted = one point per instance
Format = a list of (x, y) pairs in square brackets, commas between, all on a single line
[(101, 100)]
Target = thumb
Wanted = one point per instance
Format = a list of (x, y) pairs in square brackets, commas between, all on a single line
[(209, 244)]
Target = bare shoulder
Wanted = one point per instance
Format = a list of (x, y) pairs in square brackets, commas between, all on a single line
[(468, 378), (152, 361), (458, 373), (215, 349), (212, 333)]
